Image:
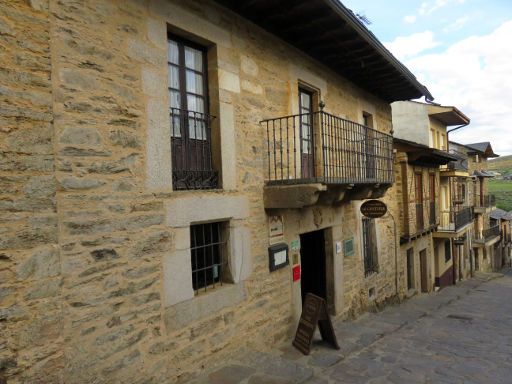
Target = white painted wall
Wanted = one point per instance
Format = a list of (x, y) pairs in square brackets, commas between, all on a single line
[(410, 121)]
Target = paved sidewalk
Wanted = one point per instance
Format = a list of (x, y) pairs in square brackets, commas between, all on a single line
[(462, 334)]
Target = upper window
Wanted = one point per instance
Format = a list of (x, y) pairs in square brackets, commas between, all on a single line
[(447, 251), (208, 253), (306, 133), (418, 184), (190, 121), (371, 262)]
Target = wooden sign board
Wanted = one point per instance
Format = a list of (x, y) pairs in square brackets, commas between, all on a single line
[(373, 209), (314, 311)]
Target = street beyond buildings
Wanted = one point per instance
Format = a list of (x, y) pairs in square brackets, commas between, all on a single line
[(461, 334)]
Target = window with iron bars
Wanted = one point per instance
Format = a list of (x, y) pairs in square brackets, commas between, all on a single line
[(209, 255), (371, 263)]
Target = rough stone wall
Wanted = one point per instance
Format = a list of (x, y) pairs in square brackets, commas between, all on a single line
[(82, 238), (355, 285), (30, 266)]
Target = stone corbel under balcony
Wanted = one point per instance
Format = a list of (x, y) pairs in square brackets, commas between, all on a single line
[(292, 196), (304, 195)]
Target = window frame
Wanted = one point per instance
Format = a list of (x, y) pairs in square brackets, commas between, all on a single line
[(220, 247), (447, 247), (369, 245), (191, 143), (182, 73)]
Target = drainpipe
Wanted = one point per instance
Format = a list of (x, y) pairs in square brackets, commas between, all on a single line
[(454, 129), (451, 130), (396, 253)]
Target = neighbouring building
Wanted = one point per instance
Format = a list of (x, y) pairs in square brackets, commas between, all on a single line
[(448, 256), (168, 167), (416, 189), (501, 218), (486, 237)]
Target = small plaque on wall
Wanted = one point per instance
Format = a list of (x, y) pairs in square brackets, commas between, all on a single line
[(277, 256), (348, 247), (296, 273), (275, 228)]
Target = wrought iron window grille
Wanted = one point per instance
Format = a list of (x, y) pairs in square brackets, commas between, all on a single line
[(208, 251), (370, 252)]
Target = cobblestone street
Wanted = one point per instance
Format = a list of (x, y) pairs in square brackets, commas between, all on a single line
[(462, 334)]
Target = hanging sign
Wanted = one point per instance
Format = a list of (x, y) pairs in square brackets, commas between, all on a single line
[(314, 311), (373, 209)]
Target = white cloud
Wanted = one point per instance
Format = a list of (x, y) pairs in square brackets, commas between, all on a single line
[(410, 19), (457, 24), (427, 7), (474, 75), (407, 46)]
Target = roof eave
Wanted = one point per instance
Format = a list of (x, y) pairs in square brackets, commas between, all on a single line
[(350, 18)]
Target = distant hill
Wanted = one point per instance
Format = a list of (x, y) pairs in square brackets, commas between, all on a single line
[(502, 189), (501, 164)]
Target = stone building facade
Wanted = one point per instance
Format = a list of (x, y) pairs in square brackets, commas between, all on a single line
[(486, 239), (417, 192), (449, 253), (101, 230)]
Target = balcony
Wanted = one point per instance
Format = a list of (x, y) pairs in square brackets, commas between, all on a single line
[(487, 236), (321, 157), (418, 220), (484, 203), (453, 221)]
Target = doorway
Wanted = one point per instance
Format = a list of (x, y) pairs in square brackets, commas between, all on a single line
[(313, 264), (424, 270)]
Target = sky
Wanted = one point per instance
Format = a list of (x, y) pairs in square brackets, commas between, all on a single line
[(461, 50)]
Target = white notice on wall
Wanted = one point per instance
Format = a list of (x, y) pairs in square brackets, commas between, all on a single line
[(280, 257)]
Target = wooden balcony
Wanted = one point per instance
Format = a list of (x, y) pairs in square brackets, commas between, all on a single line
[(319, 157)]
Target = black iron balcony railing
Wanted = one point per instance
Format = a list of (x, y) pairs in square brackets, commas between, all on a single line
[(453, 220), (432, 212), (192, 166), (320, 147), (485, 201), (487, 233)]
